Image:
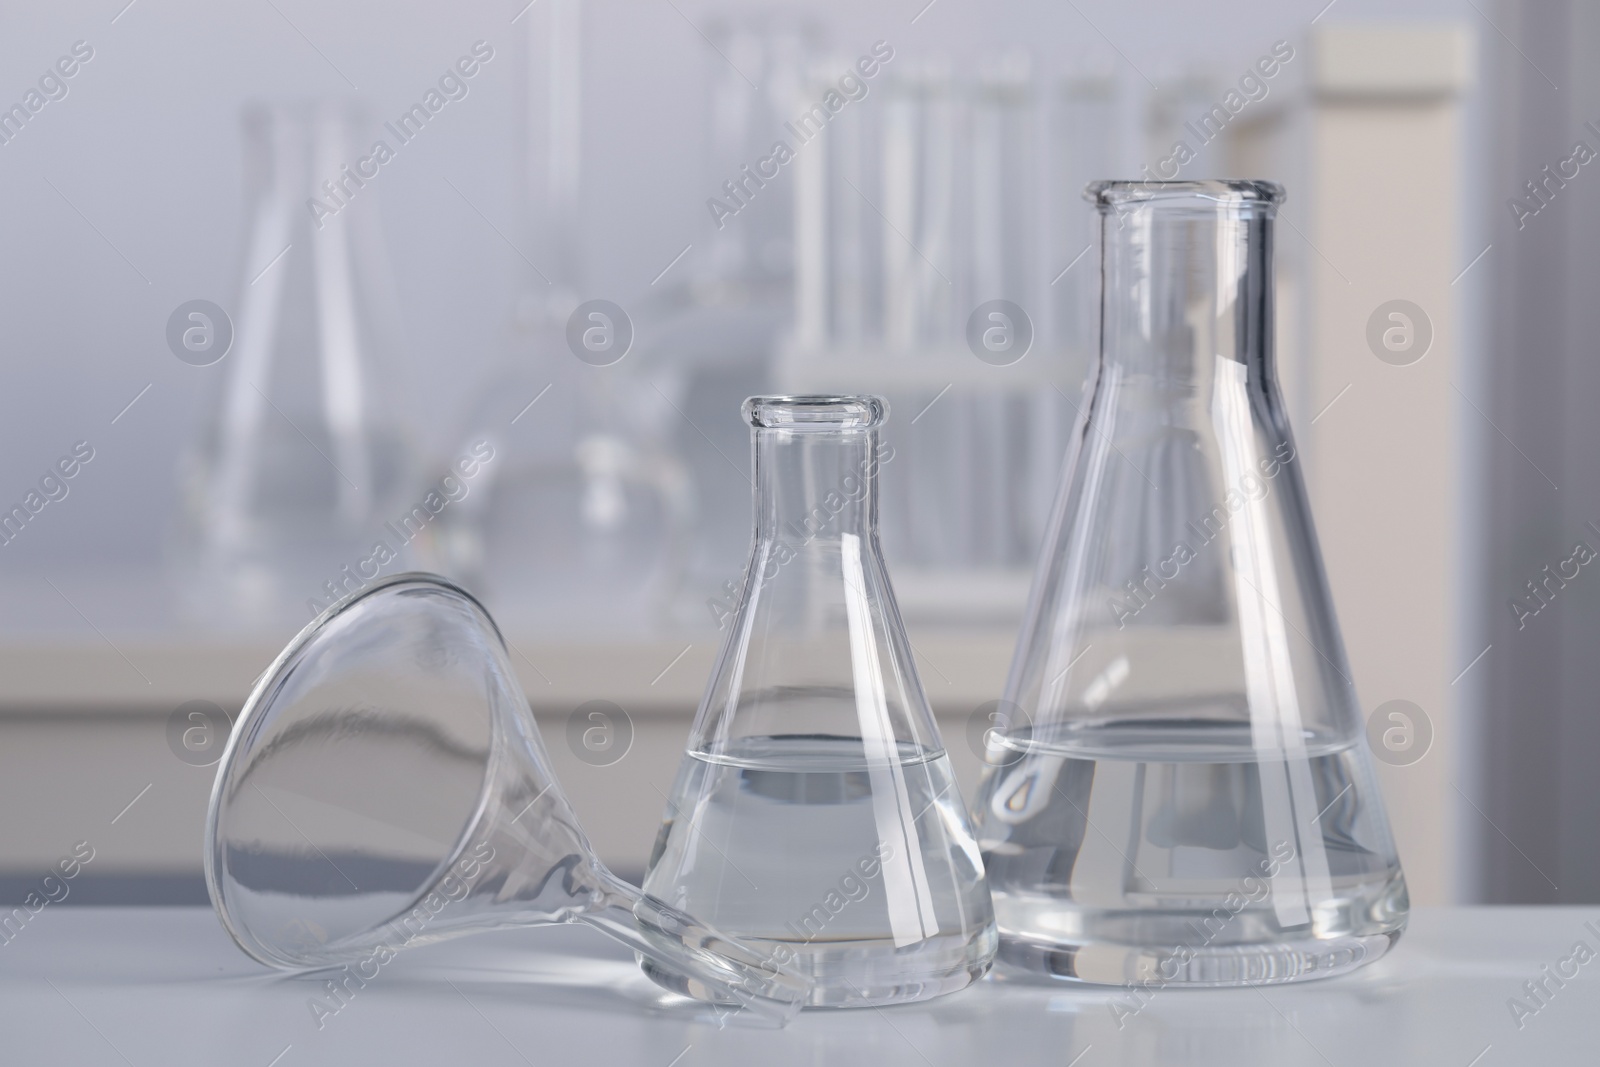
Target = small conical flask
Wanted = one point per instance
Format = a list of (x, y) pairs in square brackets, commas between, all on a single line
[(815, 816), (1182, 794), (386, 786)]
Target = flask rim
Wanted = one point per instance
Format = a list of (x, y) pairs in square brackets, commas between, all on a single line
[(1246, 194), (816, 413)]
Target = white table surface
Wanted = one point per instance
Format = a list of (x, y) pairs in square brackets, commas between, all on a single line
[(164, 986)]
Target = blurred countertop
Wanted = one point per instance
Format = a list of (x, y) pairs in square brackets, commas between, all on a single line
[(157, 672), (110, 640)]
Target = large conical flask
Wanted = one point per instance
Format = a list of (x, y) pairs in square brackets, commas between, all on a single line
[(815, 816), (385, 786), (1180, 793)]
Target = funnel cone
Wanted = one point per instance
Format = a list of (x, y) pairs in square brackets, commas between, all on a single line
[(386, 786)]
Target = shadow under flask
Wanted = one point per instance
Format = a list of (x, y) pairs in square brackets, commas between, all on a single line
[(815, 815), (1181, 793)]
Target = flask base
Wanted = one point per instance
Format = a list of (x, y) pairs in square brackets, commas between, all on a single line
[(1274, 963), (846, 980)]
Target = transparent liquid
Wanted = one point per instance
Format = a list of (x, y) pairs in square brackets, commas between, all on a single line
[(1172, 854), (800, 845)]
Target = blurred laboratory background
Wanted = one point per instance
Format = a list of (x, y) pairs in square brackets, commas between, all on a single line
[(296, 295)]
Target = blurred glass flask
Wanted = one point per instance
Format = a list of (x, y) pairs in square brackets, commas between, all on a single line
[(579, 525), (305, 452), (815, 815), (1181, 793)]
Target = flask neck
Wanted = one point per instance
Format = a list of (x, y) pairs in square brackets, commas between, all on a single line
[(812, 487), (1186, 281)]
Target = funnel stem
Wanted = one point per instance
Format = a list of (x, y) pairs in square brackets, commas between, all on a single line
[(716, 967)]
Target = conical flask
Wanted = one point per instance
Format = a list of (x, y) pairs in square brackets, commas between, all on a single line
[(815, 816), (385, 786), (307, 449), (581, 522), (1182, 794)]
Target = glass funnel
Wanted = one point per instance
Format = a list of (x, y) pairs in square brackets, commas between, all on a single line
[(386, 786), (1182, 794), (815, 816)]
